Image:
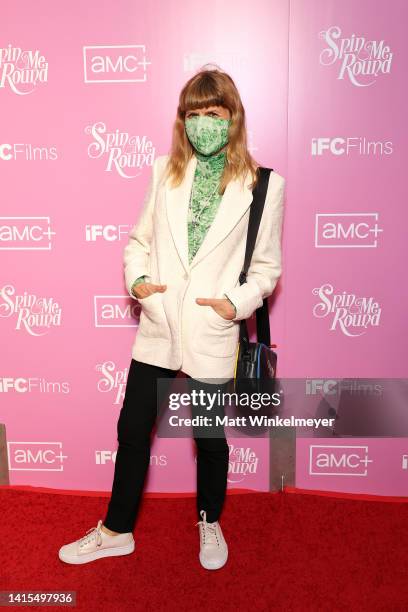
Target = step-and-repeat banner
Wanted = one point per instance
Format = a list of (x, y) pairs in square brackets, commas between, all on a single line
[(88, 95)]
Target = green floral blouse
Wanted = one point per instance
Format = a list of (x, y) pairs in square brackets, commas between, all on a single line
[(204, 199), (204, 202)]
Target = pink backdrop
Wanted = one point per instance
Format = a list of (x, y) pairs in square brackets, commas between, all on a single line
[(88, 96)]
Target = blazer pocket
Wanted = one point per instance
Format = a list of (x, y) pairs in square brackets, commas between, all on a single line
[(216, 337), (152, 321), (213, 316)]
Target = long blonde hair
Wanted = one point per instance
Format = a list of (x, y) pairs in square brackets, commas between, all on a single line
[(212, 87)]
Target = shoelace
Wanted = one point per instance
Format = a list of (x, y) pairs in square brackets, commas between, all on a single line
[(208, 530), (90, 534)]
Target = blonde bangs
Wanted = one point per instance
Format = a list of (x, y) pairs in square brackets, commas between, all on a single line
[(202, 93)]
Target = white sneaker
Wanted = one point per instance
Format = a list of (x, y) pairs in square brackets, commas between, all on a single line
[(96, 544), (213, 547)]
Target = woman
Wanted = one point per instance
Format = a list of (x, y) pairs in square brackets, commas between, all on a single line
[(182, 263)]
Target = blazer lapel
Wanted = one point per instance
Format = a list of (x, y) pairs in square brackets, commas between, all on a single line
[(177, 200), (234, 202)]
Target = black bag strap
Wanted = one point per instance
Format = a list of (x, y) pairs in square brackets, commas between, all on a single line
[(255, 215)]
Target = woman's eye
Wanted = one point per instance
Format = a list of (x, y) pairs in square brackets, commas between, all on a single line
[(209, 114)]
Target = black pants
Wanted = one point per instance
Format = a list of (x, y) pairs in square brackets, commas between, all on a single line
[(136, 421)]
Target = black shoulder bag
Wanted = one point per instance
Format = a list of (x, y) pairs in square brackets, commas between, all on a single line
[(255, 361)]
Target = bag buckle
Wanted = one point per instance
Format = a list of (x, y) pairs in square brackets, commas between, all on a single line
[(242, 277)]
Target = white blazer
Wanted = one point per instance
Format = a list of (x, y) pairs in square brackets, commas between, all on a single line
[(174, 331)]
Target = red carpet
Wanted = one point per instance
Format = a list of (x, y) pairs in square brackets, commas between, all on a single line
[(288, 551)]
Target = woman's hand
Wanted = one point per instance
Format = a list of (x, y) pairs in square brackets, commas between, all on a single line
[(142, 290), (222, 306)]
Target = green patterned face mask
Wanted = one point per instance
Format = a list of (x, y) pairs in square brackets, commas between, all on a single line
[(207, 134)]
